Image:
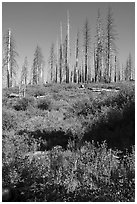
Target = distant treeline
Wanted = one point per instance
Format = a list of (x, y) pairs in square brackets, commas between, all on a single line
[(94, 61)]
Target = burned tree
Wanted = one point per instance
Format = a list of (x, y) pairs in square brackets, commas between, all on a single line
[(87, 41), (129, 69), (24, 72), (57, 59), (76, 75), (115, 73), (67, 50), (99, 49), (37, 68), (110, 47), (9, 57), (52, 62), (60, 55)]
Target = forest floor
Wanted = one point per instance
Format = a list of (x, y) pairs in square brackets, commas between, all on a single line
[(67, 142)]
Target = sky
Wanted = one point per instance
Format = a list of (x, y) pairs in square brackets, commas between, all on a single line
[(38, 23)]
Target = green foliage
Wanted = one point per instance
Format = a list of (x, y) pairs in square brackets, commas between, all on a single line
[(35, 90), (7, 91), (21, 104), (82, 107), (91, 168), (53, 128), (44, 103), (14, 148), (45, 156), (9, 119)]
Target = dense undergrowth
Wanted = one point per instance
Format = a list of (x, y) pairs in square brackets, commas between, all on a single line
[(54, 149)]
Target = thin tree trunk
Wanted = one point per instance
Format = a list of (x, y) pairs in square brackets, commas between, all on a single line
[(9, 68), (86, 63), (115, 77), (61, 53), (68, 49), (77, 56), (57, 64)]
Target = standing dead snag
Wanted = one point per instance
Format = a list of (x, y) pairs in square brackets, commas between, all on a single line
[(98, 49), (110, 45), (37, 68), (67, 50), (57, 57), (129, 69), (22, 90), (52, 62), (86, 34), (60, 55), (24, 72), (9, 70), (115, 74), (9, 59), (76, 71)]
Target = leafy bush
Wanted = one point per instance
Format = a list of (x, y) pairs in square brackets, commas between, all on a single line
[(7, 91), (44, 103), (35, 90), (91, 173), (9, 119), (21, 104), (82, 107), (4, 101), (14, 147), (71, 86), (53, 128), (38, 170)]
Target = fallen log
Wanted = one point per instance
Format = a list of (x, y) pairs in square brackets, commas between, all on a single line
[(13, 95), (103, 89), (40, 96)]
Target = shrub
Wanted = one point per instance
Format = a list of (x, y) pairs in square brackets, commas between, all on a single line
[(76, 170), (52, 128), (14, 147), (9, 119), (4, 101), (21, 104), (82, 107), (39, 92), (35, 90), (7, 91), (90, 173), (71, 86), (44, 103)]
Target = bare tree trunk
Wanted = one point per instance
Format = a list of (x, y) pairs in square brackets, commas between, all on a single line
[(115, 75), (86, 65), (83, 76), (57, 64), (86, 47), (61, 54), (68, 49), (9, 80), (75, 75), (110, 45), (77, 56), (95, 64), (123, 73), (56, 75), (71, 76)]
